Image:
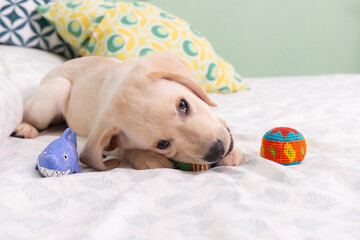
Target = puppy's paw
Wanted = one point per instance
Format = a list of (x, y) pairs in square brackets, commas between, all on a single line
[(159, 161), (149, 160), (235, 158), (25, 130)]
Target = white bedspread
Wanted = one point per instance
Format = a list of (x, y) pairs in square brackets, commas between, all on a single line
[(318, 199)]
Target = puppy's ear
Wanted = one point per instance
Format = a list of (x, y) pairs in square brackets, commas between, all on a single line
[(189, 83), (100, 137), (168, 66)]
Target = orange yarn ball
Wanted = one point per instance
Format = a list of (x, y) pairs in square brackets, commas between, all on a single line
[(283, 145)]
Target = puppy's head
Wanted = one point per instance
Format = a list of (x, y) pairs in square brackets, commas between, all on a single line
[(171, 113), (167, 112)]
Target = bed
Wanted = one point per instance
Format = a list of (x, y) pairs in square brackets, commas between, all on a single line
[(318, 199)]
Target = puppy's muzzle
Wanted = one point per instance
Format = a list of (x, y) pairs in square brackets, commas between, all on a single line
[(216, 152)]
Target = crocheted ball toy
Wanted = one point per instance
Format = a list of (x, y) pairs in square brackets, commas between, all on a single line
[(192, 166), (283, 145)]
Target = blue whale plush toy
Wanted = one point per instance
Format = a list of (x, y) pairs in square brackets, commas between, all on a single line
[(60, 157)]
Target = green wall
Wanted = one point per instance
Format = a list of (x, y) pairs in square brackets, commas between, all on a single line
[(278, 37)]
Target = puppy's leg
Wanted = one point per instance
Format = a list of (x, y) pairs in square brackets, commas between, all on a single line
[(25, 130), (234, 158), (144, 159), (44, 107)]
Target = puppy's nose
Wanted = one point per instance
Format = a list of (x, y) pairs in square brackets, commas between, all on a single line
[(215, 153)]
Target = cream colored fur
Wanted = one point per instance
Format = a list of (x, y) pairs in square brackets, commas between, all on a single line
[(131, 107)]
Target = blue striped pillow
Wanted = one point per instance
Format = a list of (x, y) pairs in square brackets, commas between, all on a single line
[(22, 25)]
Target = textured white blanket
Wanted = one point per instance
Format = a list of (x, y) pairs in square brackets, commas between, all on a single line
[(318, 199)]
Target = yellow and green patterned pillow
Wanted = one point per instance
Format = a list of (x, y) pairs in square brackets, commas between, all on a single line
[(76, 19), (128, 30)]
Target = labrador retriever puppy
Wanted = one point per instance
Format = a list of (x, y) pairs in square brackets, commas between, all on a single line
[(151, 110)]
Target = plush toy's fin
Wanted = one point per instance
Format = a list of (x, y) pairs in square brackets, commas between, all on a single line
[(66, 133), (73, 138)]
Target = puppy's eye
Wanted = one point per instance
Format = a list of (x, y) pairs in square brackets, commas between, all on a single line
[(183, 106), (162, 144)]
